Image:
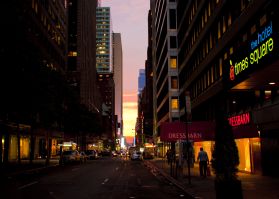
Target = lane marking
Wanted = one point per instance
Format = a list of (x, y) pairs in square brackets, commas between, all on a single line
[(105, 181), (139, 181), (27, 185), (75, 169)]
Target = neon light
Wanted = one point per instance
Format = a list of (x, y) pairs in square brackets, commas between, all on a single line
[(239, 119), (260, 47)]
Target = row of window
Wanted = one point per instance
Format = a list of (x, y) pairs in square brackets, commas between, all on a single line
[(54, 28), (211, 74), (215, 72)]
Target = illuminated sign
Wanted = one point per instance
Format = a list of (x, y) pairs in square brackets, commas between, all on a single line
[(240, 119), (259, 48)]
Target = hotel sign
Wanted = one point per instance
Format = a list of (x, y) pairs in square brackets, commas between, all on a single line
[(257, 49)]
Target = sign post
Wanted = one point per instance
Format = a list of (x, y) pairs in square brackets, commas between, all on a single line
[(188, 119)]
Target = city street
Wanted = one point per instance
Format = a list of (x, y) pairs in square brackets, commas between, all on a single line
[(103, 178)]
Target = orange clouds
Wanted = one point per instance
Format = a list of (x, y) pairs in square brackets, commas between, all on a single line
[(130, 107)]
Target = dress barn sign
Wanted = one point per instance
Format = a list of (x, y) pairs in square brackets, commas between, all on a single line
[(197, 131)]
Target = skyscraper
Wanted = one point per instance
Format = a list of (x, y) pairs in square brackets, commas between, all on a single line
[(103, 40), (118, 78), (141, 80), (81, 51), (164, 58)]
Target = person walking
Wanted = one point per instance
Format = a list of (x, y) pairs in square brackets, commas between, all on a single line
[(203, 161), (168, 154)]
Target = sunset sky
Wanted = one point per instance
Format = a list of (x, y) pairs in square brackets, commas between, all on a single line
[(129, 17)]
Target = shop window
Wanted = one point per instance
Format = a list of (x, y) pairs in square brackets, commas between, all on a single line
[(174, 103), (267, 94)]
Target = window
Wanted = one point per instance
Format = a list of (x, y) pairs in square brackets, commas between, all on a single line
[(253, 29), (224, 24), (172, 19), (173, 62), (174, 83), (263, 20), (174, 103), (229, 19), (219, 30), (220, 67), (173, 42)]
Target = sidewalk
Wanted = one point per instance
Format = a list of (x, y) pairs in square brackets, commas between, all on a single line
[(253, 186), (13, 168)]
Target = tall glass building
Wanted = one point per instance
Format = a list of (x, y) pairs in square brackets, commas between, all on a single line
[(103, 40)]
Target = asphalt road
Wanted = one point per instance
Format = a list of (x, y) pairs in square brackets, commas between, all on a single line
[(105, 178)]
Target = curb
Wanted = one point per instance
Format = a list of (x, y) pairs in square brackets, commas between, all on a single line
[(32, 170), (169, 178)]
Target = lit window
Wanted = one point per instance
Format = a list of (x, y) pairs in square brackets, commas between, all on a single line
[(224, 24), (174, 103), (263, 20), (173, 63), (229, 19), (253, 29), (174, 83), (220, 67), (219, 30)]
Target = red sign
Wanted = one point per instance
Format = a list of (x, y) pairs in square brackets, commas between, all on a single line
[(239, 119), (197, 131)]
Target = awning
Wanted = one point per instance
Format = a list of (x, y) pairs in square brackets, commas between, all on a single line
[(197, 131), (201, 131)]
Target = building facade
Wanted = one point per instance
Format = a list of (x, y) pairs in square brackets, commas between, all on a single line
[(164, 63), (107, 87), (82, 74), (103, 40), (117, 65), (33, 48), (228, 59)]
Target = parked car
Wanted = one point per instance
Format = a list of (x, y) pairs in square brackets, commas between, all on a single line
[(91, 154), (114, 154), (136, 155), (84, 157), (71, 156)]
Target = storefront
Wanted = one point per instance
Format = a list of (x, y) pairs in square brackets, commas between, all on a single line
[(201, 134), (24, 147)]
